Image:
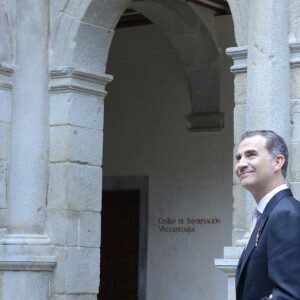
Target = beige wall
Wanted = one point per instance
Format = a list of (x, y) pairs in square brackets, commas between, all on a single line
[(190, 174)]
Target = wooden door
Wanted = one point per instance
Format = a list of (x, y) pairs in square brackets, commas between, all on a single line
[(119, 245)]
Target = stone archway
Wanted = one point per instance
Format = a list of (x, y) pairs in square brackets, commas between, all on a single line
[(200, 60), (77, 86)]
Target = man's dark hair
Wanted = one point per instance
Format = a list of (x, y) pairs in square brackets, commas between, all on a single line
[(275, 145)]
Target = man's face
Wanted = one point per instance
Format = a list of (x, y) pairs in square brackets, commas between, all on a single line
[(255, 167)]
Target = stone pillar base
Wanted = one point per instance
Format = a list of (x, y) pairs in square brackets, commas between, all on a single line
[(26, 261), (228, 265)]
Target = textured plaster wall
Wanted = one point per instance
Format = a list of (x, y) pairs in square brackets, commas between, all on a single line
[(190, 174)]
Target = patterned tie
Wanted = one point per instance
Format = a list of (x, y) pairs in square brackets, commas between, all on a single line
[(255, 218)]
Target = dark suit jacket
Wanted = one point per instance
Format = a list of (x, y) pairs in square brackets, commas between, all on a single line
[(270, 264)]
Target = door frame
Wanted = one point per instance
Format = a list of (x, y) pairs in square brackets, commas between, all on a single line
[(141, 183)]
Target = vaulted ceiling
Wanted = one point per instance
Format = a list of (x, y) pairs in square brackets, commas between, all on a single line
[(134, 18)]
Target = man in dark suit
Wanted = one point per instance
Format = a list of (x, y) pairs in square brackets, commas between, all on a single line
[(269, 267)]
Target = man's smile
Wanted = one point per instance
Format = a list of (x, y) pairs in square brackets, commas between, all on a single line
[(245, 173)]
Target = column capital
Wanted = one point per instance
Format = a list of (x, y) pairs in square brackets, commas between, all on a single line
[(239, 56), (295, 54), (67, 80), (6, 73)]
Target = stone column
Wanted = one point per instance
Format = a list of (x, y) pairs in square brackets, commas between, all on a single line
[(294, 163), (5, 105), (28, 163), (262, 102), (268, 74), (25, 247), (268, 82)]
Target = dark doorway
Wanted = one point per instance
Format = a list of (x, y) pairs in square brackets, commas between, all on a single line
[(119, 245)]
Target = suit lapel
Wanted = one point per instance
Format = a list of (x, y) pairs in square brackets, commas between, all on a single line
[(260, 224)]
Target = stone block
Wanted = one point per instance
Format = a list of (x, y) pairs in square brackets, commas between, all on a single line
[(105, 13), (89, 229), (31, 285), (75, 187), (57, 282), (240, 88), (61, 6), (62, 227), (295, 187), (82, 270), (239, 122), (235, 179), (76, 144), (237, 234), (60, 25), (77, 110), (58, 186), (2, 218), (4, 141), (93, 44), (5, 104), (3, 180), (3, 232), (295, 83), (295, 137), (294, 162), (232, 252), (239, 207), (77, 271)]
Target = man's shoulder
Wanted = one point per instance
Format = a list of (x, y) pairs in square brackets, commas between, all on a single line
[(287, 201)]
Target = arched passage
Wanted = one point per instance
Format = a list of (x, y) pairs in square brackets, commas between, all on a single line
[(80, 44), (74, 23), (145, 135)]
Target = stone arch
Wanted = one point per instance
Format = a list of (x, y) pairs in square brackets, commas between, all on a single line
[(294, 33), (239, 12), (198, 53), (5, 37), (81, 32)]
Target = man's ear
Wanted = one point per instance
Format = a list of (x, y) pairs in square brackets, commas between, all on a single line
[(279, 162)]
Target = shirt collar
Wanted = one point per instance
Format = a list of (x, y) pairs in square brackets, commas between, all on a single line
[(265, 200)]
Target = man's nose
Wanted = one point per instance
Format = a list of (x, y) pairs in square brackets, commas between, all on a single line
[(243, 162)]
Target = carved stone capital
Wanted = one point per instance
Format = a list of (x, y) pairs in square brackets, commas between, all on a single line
[(295, 55), (5, 77), (68, 80), (239, 56)]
